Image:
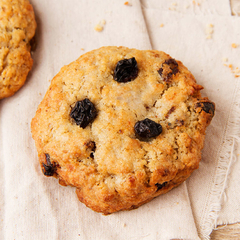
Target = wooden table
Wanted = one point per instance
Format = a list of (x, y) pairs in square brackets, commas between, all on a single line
[(228, 232)]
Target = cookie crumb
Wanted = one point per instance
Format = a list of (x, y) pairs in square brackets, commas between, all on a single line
[(82, 49), (103, 22), (161, 25), (124, 225), (127, 4), (235, 71), (234, 45), (172, 8), (209, 31), (225, 60), (99, 27)]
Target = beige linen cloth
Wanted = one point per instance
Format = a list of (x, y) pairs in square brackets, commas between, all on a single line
[(35, 207), (208, 42)]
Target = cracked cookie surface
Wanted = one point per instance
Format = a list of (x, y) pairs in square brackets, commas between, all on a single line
[(17, 28), (111, 166)]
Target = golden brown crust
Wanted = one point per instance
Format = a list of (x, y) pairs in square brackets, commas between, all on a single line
[(17, 28), (111, 167)]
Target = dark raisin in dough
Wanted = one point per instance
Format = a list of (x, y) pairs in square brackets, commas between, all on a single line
[(92, 146), (172, 63), (126, 70), (207, 107), (160, 186), (147, 128), (49, 168), (83, 112)]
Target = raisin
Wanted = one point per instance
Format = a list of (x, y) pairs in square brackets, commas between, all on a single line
[(92, 146), (160, 186), (83, 112), (179, 122), (173, 65), (126, 70), (207, 107), (49, 168), (147, 128), (170, 111), (160, 71)]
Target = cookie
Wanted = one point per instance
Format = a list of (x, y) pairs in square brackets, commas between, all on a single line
[(122, 126), (17, 28)]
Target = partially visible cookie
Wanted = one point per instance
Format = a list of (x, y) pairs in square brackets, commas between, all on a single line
[(122, 126), (17, 28)]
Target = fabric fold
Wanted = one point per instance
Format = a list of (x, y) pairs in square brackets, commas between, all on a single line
[(196, 7)]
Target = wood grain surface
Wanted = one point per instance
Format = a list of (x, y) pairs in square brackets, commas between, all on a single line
[(227, 232)]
